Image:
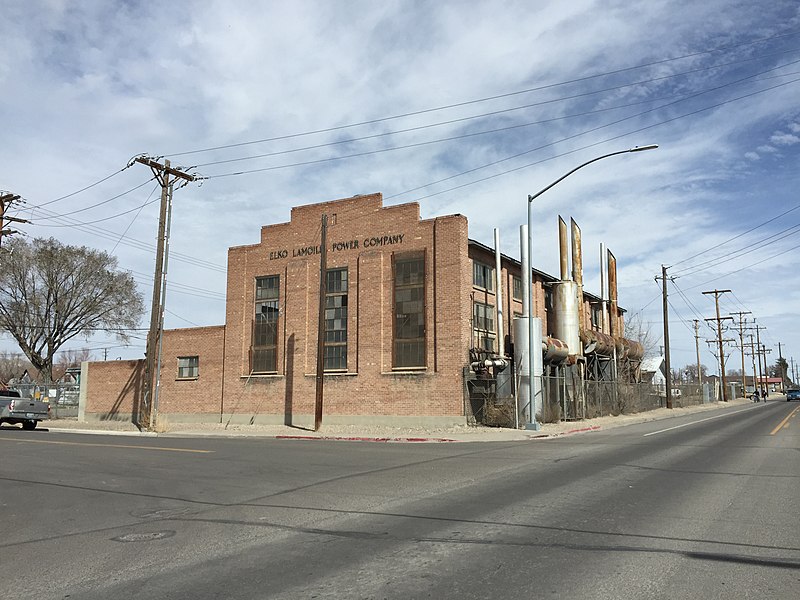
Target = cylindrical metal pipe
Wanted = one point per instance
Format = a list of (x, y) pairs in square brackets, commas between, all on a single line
[(501, 340), (565, 320), (577, 268), (526, 279), (614, 328), (521, 368), (563, 252), (603, 290)]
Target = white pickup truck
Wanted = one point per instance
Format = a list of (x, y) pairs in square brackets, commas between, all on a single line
[(14, 409)]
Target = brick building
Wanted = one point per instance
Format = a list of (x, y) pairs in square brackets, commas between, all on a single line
[(406, 300)]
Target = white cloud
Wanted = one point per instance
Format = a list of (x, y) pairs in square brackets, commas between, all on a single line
[(97, 82), (783, 139)]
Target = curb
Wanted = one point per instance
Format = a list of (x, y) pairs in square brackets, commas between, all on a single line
[(363, 439)]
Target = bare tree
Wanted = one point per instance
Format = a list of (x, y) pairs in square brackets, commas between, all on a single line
[(636, 330), (69, 359), (51, 293), (12, 366)]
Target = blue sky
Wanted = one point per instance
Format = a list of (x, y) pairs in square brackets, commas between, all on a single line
[(499, 98)]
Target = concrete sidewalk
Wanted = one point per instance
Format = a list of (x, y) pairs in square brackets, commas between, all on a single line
[(388, 434)]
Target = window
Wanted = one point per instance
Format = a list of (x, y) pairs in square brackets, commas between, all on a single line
[(482, 276), (335, 349), (483, 325), (517, 287), (548, 298), (409, 311), (264, 352), (597, 316), (188, 367)]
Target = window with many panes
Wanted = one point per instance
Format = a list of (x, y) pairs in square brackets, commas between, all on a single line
[(264, 350), (483, 326), (409, 311), (335, 348), (482, 275), (517, 287), (188, 367)]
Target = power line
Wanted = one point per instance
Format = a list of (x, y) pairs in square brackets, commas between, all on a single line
[(140, 245), (587, 146), (485, 99), (517, 155), (96, 183), (503, 111), (734, 254), (783, 214)]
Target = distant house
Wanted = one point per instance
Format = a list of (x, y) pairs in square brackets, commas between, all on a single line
[(654, 371)]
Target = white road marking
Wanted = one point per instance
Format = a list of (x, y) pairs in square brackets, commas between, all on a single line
[(700, 421)]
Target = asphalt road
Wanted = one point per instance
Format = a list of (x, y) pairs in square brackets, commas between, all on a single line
[(702, 506)]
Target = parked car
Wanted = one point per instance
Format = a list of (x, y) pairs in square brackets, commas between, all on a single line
[(27, 411), (792, 395)]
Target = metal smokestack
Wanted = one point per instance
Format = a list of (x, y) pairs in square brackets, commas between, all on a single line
[(562, 248), (603, 290), (501, 340), (612, 293), (577, 267)]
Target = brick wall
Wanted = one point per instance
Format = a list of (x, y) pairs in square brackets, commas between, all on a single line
[(112, 390), (362, 236)]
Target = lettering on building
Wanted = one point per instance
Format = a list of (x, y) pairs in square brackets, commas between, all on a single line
[(367, 242)]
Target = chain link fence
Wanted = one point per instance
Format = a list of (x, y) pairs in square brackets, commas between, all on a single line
[(491, 400), (62, 397)]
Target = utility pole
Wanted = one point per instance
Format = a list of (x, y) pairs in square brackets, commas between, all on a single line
[(166, 177), (763, 373), (783, 371), (6, 198), (668, 375), (697, 348), (755, 354), (741, 345), (719, 339), (766, 351), (323, 271)]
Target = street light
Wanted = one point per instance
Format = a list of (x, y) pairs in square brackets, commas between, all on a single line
[(528, 299)]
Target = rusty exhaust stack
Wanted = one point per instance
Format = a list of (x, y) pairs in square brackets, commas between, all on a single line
[(562, 248), (577, 267), (612, 292)]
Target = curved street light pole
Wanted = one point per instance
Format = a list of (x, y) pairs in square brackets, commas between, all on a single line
[(529, 299)]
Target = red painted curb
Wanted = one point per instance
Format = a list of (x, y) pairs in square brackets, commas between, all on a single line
[(592, 428), (359, 439)]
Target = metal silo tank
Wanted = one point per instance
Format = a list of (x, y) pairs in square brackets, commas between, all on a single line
[(566, 322)]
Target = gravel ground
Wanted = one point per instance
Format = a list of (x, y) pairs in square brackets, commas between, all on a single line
[(455, 433)]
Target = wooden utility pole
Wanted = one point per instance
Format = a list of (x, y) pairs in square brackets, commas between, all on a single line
[(166, 177), (697, 348), (719, 340), (668, 374), (756, 369), (783, 371), (323, 291), (765, 351), (741, 345), (764, 374), (6, 198)]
